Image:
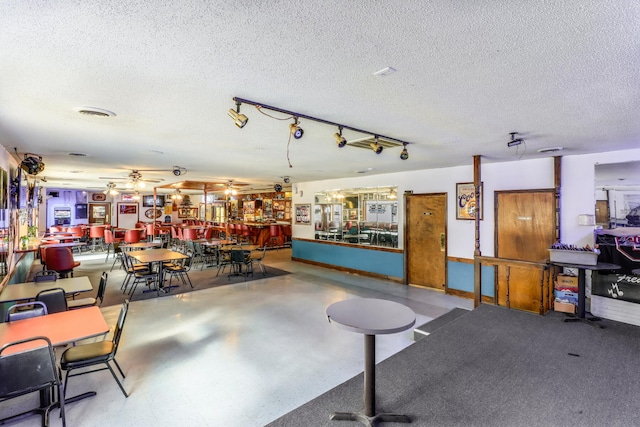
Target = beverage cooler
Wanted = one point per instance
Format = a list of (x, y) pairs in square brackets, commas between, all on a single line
[(62, 216)]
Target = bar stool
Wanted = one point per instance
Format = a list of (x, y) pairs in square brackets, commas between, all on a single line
[(275, 235)]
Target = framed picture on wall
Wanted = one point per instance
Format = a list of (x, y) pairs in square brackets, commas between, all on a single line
[(467, 207), (128, 209), (303, 214)]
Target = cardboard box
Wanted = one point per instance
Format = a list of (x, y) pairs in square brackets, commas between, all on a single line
[(566, 283), (573, 257), (564, 307), (565, 296)]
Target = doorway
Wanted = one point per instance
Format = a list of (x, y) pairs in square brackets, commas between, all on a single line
[(525, 229), (426, 240)]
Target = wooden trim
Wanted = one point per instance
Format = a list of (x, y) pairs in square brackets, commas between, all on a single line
[(351, 245), (350, 270), (462, 260), (470, 295)]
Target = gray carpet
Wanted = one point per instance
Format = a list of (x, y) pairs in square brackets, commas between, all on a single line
[(500, 367), (93, 265)]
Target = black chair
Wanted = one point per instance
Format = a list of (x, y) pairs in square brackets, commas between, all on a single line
[(140, 273), (25, 310), (54, 298), (259, 258), (239, 259), (90, 301), (180, 269), (95, 354), (28, 371), (45, 276)]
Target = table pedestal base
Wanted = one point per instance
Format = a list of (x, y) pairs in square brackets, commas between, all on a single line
[(370, 421)]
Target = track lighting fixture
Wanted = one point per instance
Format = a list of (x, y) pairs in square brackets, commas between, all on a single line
[(405, 154), (377, 148), (296, 130), (277, 187), (240, 119), (340, 140), (32, 164)]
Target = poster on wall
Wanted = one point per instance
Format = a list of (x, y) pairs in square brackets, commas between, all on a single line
[(303, 214), (466, 204)]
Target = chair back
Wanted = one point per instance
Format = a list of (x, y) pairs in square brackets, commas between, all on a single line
[(54, 298), (263, 252), (20, 311), (108, 237), (132, 236), (76, 232), (102, 287), (54, 229), (117, 332), (59, 259), (237, 255), (208, 234), (45, 276), (23, 372), (190, 234), (96, 232)]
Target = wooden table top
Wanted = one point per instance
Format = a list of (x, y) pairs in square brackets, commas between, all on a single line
[(61, 328), (140, 245), (63, 245), (29, 290), (157, 255)]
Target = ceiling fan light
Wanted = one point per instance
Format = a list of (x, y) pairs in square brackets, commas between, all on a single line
[(141, 184)]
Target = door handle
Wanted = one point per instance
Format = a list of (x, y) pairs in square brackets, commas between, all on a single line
[(442, 242)]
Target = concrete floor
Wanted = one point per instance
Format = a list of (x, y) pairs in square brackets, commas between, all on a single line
[(238, 355)]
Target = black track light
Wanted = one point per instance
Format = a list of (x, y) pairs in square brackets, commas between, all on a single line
[(296, 130), (340, 140), (405, 154)]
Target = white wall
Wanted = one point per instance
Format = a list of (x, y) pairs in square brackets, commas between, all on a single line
[(577, 194)]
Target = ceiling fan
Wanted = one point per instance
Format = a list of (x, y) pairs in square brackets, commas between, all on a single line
[(135, 180)]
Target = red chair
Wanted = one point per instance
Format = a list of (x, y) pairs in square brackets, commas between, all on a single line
[(149, 230), (111, 242), (190, 234), (208, 234), (132, 236), (286, 232), (96, 234), (60, 260), (275, 235)]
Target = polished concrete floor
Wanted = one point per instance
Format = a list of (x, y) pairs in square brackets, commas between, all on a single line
[(238, 355)]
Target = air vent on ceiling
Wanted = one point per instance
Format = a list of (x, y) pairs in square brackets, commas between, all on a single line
[(93, 111), (366, 143)]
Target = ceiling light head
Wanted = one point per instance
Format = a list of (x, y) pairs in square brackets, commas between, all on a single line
[(514, 141), (239, 119), (32, 164), (405, 154), (296, 130), (286, 179), (277, 187), (177, 170), (377, 148), (340, 140)]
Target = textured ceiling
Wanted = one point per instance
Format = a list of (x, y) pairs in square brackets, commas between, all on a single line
[(468, 73)]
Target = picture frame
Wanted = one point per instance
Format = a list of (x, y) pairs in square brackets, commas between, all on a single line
[(147, 201), (303, 214), (466, 204), (128, 208), (187, 212)]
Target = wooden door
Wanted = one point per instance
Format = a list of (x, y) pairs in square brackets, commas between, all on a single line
[(602, 213), (525, 229), (426, 240)]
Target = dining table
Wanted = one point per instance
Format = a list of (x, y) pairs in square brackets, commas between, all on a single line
[(156, 257), (29, 290), (140, 245), (60, 328)]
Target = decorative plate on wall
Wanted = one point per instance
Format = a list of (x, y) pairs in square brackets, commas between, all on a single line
[(98, 197), (153, 213)]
